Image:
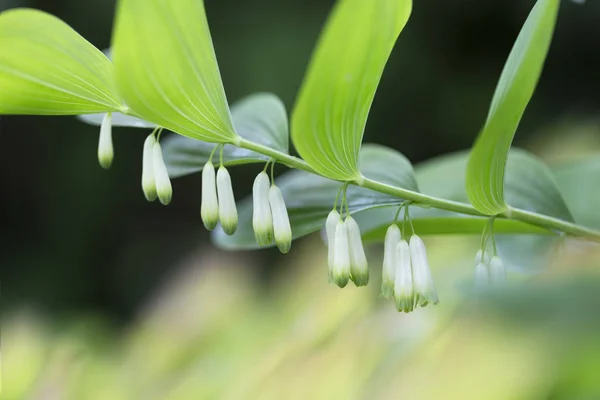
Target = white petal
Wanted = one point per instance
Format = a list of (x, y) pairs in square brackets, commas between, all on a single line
[(359, 268), (497, 270), (482, 257), (281, 222), (392, 238), (482, 276), (262, 220), (403, 282), (341, 256), (423, 281), (105, 144), (333, 219), (209, 205), (148, 184), (161, 176), (227, 208)]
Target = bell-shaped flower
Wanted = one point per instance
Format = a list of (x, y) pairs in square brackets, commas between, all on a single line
[(262, 220), (209, 205), (425, 292), (359, 268), (388, 274), (482, 256), (482, 275), (282, 231), (227, 209), (161, 176), (341, 256), (333, 219), (403, 289), (497, 270), (148, 183), (105, 143)]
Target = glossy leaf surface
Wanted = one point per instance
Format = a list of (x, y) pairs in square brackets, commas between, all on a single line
[(331, 111), (46, 68), (487, 163), (166, 68)]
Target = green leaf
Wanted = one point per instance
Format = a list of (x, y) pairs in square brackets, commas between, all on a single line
[(46, 68), (530, 185), (486, 168), (118, 119), (332, 108), (166, 68), (309, 198), (260, 118)]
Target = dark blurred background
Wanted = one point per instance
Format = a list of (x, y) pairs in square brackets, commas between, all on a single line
[(78, 238)]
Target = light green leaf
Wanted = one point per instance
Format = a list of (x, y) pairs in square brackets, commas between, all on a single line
[(309, 198), (260, 118), (530, 185), (332, 108), (166, 68), (486, 168), (46, 68)]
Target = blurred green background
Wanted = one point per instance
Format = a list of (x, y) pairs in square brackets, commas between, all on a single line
[(94, 263)]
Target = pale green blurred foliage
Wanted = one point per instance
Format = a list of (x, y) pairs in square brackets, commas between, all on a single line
[(213, 332)]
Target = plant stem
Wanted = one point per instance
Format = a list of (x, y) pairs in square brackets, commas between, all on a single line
[(516, 214)]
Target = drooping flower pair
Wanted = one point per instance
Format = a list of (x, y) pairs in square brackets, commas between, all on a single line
[(218, 202), (155, 177), (406, 274), (346, 255), (270, 219), (488, 270)]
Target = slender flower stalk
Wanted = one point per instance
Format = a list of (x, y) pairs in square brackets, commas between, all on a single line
[(262, 219), (359, 267), (148, 183), (282, 229), (105, 143), (392, 238), (341, 256), (403, 289), (227, 209), (161, 175), (497, 271), (482, 256), (333, 219), (425, 292), (209, 206)]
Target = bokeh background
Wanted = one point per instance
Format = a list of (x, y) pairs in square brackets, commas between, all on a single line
[(97, 268)]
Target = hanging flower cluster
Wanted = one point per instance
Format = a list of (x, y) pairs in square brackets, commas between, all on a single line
[(406, 274), (488, 270), (155, 177)]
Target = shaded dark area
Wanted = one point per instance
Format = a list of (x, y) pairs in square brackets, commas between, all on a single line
[(77, 237)]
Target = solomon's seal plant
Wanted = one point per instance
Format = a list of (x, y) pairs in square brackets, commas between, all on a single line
[(163, 76)]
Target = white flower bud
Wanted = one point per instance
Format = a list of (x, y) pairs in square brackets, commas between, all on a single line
[(482, 256), (392, 238), (482, 276), (161, 176), (227, 209), (262, 220), (209, 205), (403, 281), (425, 292), (148, 184), (341, 256), (281, 222), (497, 270), (359, 267), (333, 219), (105, 144)]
